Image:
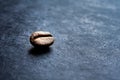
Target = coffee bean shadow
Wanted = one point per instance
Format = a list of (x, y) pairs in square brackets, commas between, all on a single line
[(35, 51)]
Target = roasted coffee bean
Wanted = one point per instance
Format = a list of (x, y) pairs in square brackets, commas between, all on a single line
[(41, 39)]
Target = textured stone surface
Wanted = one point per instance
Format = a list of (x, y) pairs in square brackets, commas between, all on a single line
[(87, 40)]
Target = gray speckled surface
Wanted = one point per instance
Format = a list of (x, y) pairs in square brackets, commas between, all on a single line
[(87, 40)]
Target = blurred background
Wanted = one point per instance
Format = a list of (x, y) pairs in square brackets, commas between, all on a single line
[(87, 40)]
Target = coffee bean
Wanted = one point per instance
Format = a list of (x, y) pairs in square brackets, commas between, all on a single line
[(41, 39)]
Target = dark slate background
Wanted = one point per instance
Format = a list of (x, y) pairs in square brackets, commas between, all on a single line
[(87, 40)]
